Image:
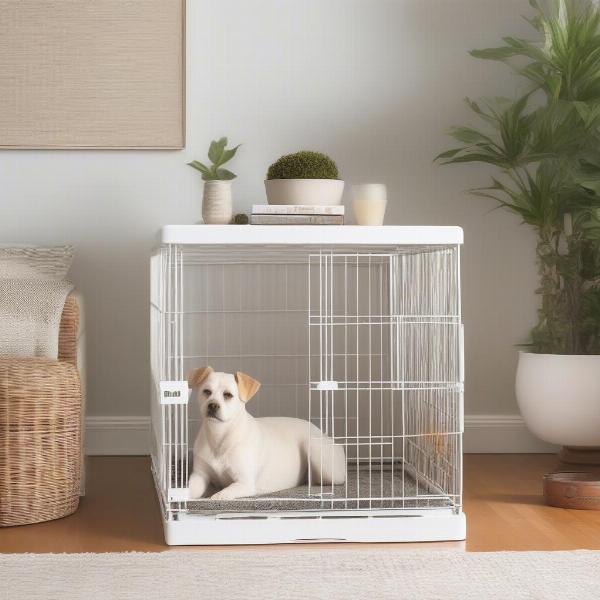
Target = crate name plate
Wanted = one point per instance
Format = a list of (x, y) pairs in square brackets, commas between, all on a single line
[(174, 392)]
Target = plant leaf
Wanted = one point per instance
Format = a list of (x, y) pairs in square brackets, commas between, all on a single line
[(199, 166), (469, 157), (225, 175), (448, 154), (501, 53), (216, 149), (228, 155), (468, 135)]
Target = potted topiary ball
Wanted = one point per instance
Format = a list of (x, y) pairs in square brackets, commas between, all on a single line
[(304, 178)]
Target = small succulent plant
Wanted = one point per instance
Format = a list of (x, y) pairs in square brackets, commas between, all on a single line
[(218, 154), (303, 165)]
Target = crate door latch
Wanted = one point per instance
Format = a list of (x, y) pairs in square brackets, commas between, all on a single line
[(327, 386)]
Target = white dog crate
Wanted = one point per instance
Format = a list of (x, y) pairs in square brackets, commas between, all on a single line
[(355, 329)]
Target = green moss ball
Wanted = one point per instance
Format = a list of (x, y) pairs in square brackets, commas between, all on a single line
[(303, 165), (241, 219)]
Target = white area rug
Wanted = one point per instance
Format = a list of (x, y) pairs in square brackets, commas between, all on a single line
[(293, 573)]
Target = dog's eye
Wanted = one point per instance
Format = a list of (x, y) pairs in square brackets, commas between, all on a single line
[(207, 393), (227, 395)]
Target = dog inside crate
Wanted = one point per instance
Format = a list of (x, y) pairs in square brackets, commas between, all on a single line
[(360, 346)]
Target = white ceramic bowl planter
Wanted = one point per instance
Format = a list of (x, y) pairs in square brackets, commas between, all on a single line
[(304, 177), (313, 192), (559, 398)]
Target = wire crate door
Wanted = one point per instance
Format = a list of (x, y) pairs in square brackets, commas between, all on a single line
[(386, 374)]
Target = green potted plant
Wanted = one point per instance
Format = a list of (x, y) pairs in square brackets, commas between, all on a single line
[(546, 147), (304, 177), (216, 199)]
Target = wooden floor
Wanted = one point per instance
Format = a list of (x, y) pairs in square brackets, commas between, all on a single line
[(502, 502)]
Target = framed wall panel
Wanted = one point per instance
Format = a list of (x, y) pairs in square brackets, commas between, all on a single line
[(92, 73)]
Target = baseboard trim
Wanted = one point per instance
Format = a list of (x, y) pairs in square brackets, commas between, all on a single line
[(493, 434), (108, 436), (501, 434)]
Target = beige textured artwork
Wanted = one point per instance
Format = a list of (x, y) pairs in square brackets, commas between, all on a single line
[(92, 73)]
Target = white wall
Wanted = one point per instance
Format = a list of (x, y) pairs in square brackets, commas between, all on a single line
[(372, 82)]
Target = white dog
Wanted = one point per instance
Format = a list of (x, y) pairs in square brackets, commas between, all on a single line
[(246, 456)]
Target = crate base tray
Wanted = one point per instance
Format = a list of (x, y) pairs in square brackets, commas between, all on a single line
[(432, 526)]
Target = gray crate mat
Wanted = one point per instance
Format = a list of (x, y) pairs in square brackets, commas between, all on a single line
[(381, 488)]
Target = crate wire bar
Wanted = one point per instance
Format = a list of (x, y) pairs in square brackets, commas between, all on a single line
[(362, 340)]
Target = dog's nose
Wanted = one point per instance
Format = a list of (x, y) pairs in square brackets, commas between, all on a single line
[(213, 407)]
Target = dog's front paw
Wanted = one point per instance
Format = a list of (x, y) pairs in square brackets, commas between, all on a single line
[(224, 495), (197, 485), (233, 491)]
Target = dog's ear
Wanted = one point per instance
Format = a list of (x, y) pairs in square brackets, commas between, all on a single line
[(197, 376), (247, 386)]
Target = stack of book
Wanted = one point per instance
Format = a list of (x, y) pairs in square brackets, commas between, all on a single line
[(300, 214)]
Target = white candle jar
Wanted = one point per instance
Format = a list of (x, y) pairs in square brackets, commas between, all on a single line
[(369, 201)]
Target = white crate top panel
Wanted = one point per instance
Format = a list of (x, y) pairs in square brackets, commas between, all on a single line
[(322, 235)]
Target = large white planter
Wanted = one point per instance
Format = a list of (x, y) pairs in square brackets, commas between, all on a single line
[(313, 192), (216, 202), (559, 398)]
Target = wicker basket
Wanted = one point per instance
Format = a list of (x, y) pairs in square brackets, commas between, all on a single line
[(40, 440)]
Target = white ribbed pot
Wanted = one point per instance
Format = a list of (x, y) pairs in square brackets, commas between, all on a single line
[(559, 398), (216, 202), (312, 192)]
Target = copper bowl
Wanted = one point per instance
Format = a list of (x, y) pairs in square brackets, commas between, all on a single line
[(573, 490)]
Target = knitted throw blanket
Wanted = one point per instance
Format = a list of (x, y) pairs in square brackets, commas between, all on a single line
[(30, 313), (32, 297)]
